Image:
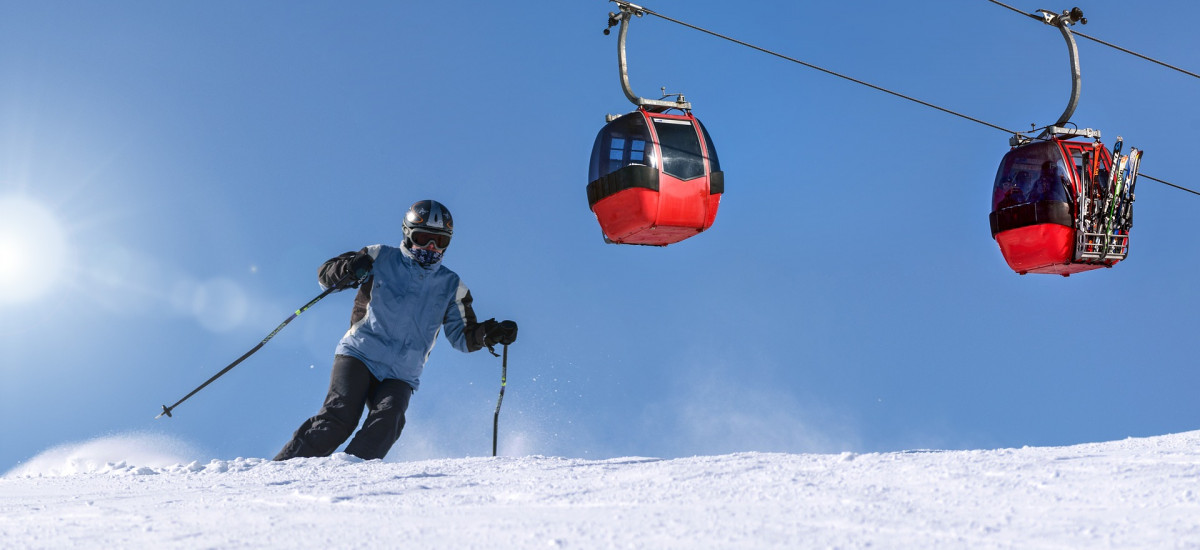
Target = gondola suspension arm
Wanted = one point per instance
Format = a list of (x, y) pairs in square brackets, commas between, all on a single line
[(1064, 21), (622, 17)]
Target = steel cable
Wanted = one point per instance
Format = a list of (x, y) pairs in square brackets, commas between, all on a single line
[(1098, 41), (641, 9)]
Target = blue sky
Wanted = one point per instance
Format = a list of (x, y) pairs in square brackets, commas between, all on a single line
[(199, 160)]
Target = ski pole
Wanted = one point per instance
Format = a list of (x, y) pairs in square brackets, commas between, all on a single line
[(336, 286), (503, 383)]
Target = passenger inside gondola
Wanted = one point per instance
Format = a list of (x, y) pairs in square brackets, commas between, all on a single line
[(1050, 186), (1009, 192), (1031, 174)]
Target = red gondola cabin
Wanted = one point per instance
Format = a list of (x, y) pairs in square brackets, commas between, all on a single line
[(1053, 209), (654, 178)]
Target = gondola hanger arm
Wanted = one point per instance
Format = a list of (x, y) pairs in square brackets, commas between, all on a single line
[(621, 17), (1064, 21)]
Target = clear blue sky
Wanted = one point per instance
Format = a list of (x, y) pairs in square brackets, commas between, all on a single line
[(201, 159)]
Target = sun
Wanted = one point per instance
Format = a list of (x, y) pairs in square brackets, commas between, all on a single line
[(33, 250)]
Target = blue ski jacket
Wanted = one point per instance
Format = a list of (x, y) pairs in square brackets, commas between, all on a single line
[(399, 311)]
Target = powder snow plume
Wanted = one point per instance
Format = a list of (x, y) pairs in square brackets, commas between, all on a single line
[(108, 453)]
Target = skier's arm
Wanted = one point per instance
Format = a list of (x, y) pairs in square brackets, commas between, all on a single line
[(474, 335), (334, 270), (463, 331)]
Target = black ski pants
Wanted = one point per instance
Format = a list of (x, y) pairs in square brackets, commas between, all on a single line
[(351, 386)]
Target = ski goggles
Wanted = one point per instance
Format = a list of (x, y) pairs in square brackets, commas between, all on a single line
[(421, 239)]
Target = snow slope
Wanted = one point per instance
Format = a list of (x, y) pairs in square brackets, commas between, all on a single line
[(1135, 493)]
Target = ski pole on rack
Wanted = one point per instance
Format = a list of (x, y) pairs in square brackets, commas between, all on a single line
[(336, 286), (503, 383)]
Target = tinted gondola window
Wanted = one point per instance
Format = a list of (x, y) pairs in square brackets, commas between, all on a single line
[(622, 142), (681, 152), (1031, 173), (714, 165)]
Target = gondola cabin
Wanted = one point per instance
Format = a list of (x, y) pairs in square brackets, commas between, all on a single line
[(654, 178), (1057, 209)]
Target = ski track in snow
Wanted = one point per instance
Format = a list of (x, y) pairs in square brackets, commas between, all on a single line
[(1135, 493)]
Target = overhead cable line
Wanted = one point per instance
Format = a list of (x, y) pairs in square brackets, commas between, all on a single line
[(1144, 175), (643, 10), (1098, 41)]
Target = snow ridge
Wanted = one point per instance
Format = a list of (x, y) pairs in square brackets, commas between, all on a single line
[(1135, 493)]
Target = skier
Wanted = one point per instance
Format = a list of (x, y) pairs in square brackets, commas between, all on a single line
[(406, 297)]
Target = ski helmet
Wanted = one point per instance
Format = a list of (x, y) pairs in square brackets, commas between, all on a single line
[(428, 216)]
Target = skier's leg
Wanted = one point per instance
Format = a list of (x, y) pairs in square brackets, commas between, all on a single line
[(385, 420), (349, 384)]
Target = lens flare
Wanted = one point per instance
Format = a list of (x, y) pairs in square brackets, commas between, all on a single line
[(33, 250)]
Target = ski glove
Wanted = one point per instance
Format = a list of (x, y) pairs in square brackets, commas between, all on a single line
[(360, 266), (503, 333)]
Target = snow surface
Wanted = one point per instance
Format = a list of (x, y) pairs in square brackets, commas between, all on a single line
[(128, 492)]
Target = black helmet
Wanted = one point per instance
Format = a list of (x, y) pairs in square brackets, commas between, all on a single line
[(429, 215)]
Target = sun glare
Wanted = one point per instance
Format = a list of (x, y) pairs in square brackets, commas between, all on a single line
[(32, 250)]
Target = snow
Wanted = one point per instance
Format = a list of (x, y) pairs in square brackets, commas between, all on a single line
[(130, 492)]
